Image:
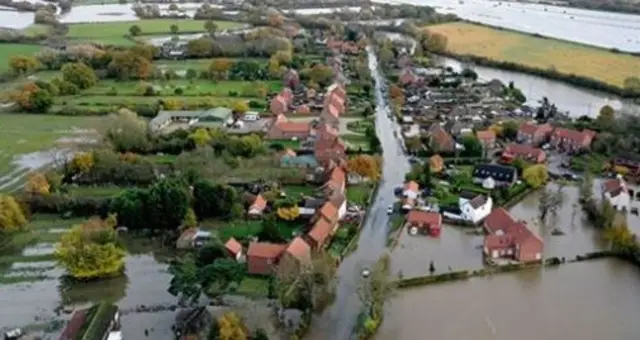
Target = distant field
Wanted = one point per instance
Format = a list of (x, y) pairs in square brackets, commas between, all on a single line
[(564, 57), (10, 50), (113, 32), (36, 29), (198, 87)]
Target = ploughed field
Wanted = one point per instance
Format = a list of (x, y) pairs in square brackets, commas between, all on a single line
[(564, 57)]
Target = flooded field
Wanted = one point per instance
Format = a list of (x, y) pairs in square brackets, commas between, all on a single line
[(458, 248), (591, 300)]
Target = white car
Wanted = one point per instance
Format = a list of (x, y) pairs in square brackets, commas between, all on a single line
[(366, 273), (390, 210)]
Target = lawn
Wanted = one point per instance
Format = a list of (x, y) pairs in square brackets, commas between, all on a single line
[(255, 287), (93, 191), (243, 230), (12, 50), (197, 87), (297, 190), (36, 29), (565, 57), (286, 143), (104, 101), (358, 194), (196, 64), (356, 141), (114, 32)]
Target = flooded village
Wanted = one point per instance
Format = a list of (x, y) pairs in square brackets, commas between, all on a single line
[(271, 197)]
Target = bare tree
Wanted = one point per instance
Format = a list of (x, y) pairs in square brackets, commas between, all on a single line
[(549, 205), (375, 290)]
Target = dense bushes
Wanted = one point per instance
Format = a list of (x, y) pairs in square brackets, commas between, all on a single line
[(66, 204)]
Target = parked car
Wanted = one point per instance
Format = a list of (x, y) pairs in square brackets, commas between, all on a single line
[(398, 191), (390, 210), (366, 272)]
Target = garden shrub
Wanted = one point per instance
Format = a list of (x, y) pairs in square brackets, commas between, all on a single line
[(178, 91)]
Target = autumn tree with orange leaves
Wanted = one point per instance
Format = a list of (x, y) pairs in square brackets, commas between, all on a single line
[(366, 166), (37, 185), (32, 98), (220, 67), (128, 65), (23, 64), (397, 95)]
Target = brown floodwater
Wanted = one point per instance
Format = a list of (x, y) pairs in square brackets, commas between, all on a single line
[(591, 300)]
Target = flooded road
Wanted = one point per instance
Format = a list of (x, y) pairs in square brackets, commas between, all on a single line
[(338, 320), (590, 300)]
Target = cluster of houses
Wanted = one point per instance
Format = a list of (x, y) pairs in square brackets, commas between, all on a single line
[(505, 238)]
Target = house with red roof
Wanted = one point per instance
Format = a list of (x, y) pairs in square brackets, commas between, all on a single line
[(441, 139), (423, 222), (407, 77), (411, 190), (234, 249), (510, 239), (257, 206), (278, 105), (262, 257), (326, 223), (487, 138), (328, 145), (282, 128), (571, 140), (337, 180), (533, 134), (297, 254), (524, 152), (616, 192)]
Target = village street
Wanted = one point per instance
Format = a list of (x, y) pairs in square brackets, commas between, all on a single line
[(339, 319)]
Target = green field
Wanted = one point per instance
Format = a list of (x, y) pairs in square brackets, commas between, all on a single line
[(106, 101), (196, 64), (36, 29), (85, 191), (197, 87), (114, 32), (11, 50), (564, 57)]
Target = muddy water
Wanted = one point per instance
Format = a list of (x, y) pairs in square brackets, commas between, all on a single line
[(581, 301), (586, 301), (145, 283)]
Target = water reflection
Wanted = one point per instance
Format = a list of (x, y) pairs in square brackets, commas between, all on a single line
[(587, 300), (73, 292)]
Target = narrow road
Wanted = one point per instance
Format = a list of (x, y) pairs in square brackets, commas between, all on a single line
[(337, 322)]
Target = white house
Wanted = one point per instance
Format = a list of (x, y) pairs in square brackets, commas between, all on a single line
[(617, 193), (475, 209), (411, 190), (340, 202)]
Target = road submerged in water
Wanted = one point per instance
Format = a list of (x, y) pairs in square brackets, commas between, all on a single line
[(338, 320)]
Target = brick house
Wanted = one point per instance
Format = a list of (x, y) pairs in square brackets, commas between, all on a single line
[(510, 239), (297, 254), (423, 222), (328, 145), (407, 77), (616, 192), (441, 139), (326, 222), (278, 105), (234, 249), (571, 140), (529, 133), (281, 128), (525, 152), (263, 256), (487, 138)]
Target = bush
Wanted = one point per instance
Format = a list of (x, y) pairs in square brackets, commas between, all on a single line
[(68, 205), (233, 93), (254, 104), (112, 91), (178, 91), (149, 91)]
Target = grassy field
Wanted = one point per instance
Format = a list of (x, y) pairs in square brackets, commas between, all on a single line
[(196, 64), (113, 32), (25, 134), (103, 101), (254, 287), (198, 87), (11, 50), (564, 57), (85, 191), (358, 194)]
